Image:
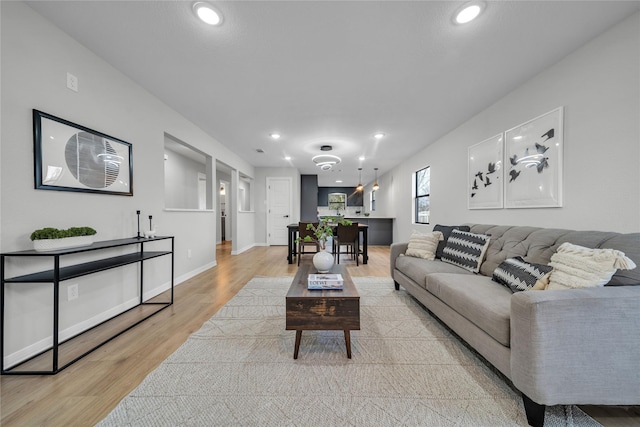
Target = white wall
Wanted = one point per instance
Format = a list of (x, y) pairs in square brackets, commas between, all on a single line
[(181, 181), (260, 186), (599, 87), (244, 238), (35, 58)]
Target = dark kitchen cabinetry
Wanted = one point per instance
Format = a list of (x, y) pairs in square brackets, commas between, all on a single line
[(308, 198), (354, 198), (380, 229)]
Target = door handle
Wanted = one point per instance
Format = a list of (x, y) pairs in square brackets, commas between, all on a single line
[(285, 216)]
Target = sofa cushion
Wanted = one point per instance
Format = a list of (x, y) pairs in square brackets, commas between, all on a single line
[(466, 249), (423, 245), (579, 267), (482, 301), (519, 275), (446, 232), (417, 269)]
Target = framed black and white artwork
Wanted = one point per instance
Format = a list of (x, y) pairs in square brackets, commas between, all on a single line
[(533, 172), (485, 174), (70, 157)]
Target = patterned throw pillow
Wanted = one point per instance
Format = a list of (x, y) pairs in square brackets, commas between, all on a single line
[(466, 250), (446, 232), (423, 245), (579, 267), (520, 275)]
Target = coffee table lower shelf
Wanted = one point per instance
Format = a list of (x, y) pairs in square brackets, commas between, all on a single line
[(322, 309)]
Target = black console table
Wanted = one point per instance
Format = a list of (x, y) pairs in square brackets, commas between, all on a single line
[(59, 274)]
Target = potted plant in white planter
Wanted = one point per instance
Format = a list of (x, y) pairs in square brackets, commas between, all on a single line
[(53, 239), (323, 260)]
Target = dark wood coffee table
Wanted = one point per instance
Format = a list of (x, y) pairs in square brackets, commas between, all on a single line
[(322, 309)]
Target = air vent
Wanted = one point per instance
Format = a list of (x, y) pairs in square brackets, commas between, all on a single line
[(259, 150), (326, 148)]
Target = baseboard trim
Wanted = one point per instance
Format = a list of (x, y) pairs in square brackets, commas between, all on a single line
[(44, 344), (246, 248)]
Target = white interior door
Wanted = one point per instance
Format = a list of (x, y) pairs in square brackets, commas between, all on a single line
[(278, 210)]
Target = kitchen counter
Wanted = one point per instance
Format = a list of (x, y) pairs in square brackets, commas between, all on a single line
[(380, 228)]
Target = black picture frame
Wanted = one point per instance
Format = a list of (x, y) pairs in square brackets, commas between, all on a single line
[(71, 157)]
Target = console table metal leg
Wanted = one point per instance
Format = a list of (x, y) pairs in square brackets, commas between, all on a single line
[(56, 310), (2, 316), (173, 267)]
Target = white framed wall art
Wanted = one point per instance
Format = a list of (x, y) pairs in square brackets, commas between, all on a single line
[(533, 164), (485, 174)]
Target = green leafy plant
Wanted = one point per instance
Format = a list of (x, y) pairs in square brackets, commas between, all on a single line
[(54, 233), (324, 229)]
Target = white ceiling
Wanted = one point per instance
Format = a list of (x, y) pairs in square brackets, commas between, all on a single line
[(331, 72)]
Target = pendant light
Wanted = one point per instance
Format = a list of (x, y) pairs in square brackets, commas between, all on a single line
[(360, 187), (376, 186)]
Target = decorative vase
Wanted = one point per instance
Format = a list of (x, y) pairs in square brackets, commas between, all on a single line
[(323, 261), (45, 245)]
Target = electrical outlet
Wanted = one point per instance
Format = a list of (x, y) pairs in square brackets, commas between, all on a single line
[(72, 292), (188, 253), (72, 82)]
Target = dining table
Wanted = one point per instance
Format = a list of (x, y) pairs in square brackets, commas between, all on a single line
[(292, 252)]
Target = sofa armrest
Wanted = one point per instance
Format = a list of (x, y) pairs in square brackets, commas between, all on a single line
[(578, 346), (396, 250)]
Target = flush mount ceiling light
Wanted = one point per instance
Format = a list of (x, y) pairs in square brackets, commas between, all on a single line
[(207, 13), (326, 161), (468, 12)]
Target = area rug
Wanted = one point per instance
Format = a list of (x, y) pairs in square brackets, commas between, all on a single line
[(406, 370)]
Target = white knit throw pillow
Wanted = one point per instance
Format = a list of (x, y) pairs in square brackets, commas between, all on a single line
[(424, 245), (579, 267)]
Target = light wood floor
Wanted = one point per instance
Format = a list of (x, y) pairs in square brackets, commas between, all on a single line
[(87, 391)]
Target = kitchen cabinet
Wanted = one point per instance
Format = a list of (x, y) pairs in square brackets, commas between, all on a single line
[(354, 198)]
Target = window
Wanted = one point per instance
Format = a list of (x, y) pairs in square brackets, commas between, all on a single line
[(422, 191), (337, 202), (372, 199)]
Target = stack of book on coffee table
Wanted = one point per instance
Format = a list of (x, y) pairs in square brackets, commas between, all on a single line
[(325, 281)]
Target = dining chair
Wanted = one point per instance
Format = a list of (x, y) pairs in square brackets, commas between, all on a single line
[(303, 232), (347, 236)]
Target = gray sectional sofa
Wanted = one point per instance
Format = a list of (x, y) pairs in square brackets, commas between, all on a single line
[(578, 346)]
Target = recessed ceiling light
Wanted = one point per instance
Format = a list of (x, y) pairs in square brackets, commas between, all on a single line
[(361, 158), (287, 157), (338, 181), (378, 135), (469, 12), (207, 13), (274, 135)]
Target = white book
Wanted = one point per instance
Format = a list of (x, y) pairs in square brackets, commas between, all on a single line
[(325, 281)]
